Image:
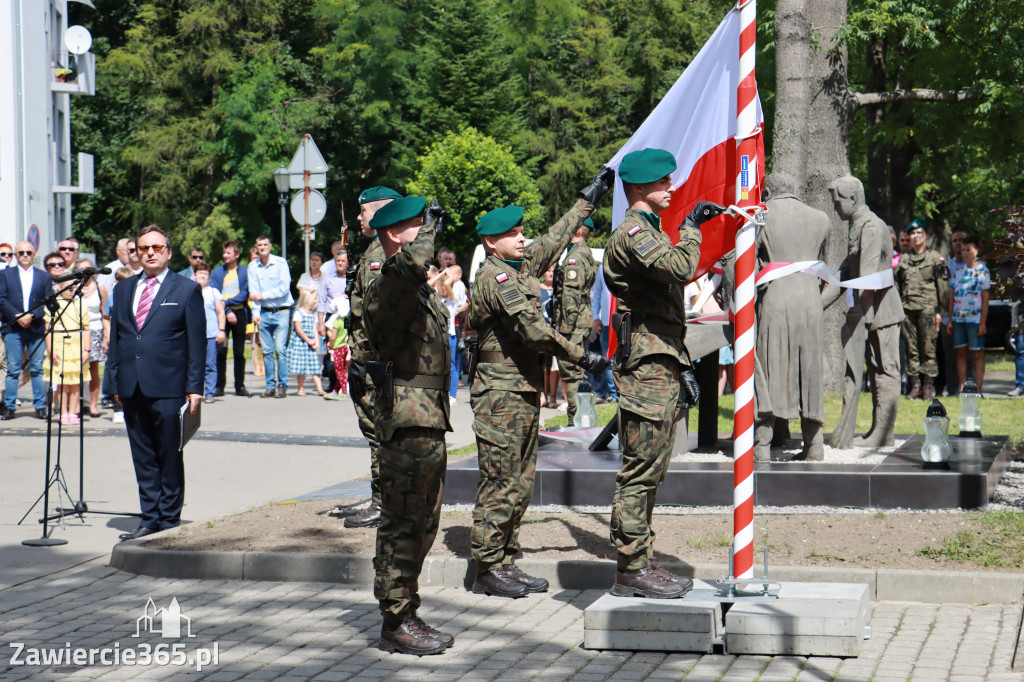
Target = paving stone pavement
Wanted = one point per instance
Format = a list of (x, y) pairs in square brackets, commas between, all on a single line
[(319, 631)]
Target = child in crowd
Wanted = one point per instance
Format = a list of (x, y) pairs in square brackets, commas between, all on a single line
[(67, 349), (337, 342), (215, 321), (304, 344), (121, 274), (968, 311)]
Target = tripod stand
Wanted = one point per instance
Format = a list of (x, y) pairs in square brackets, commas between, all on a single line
[(56, 477)]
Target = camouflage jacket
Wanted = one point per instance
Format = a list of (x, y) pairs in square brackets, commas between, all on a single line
[(923, 281), (507, 316), (367, 271), (648, 275), (578, 273), (406, 323)]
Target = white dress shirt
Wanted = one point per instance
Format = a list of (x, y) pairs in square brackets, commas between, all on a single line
[(26, 277)]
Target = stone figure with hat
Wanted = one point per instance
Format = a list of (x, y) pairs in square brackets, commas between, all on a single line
[(872, 321), (790, 323), (508, 380), (922, 278), (406, 325), (370, 201), (653, 371)]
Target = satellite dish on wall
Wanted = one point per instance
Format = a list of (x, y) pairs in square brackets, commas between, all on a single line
[(77, 39)]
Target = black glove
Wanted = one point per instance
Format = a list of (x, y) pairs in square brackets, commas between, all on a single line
[(595, 363), (689, 389), (601, 184), (703, 212), (435, 215), (356, 379)]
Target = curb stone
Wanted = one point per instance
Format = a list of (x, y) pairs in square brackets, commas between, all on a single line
[(885, 584)]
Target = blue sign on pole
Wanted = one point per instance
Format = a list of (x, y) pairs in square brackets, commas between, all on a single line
[(32, 236)]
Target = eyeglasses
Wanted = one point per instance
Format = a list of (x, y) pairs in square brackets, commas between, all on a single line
[(193, 257), (25, 253), (67, 248), (155, 248), (51, 266), (6, 254), (132, 249)]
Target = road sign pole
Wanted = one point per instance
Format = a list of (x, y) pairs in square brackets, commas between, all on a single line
[(305, 227)]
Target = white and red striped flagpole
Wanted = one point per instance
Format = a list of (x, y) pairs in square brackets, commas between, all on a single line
[(747, 195)]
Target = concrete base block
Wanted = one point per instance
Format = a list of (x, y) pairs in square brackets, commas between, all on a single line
[(634, 623), (808, 619)]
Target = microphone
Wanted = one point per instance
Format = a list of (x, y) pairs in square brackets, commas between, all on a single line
[(81, 274)]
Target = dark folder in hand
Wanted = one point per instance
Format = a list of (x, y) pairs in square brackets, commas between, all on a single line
[(189, 422)]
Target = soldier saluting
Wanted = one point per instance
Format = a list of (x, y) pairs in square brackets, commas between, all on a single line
[(574, 319), (648, 275), (406, 324), (370, 201), (506, 389)]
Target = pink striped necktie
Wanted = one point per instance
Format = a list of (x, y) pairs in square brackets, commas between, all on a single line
[(145, 302)]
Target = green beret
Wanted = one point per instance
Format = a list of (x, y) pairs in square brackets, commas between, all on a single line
[(500, 220), (398, 210), (378, 194), (646, 165), (589, 223), (917, 223)]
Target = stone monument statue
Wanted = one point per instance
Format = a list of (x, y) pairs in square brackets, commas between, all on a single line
[(872, 321), (790, 323)]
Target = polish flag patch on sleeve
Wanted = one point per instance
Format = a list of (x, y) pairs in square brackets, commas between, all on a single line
[(571, 261), (375, 265), (634, 230), (501, 278)]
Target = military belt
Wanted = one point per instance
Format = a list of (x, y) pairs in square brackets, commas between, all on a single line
[(425, 381), (514, 358), (656, 326)]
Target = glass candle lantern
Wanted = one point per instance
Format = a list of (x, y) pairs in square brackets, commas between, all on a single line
[(970, 411), (936, 450)]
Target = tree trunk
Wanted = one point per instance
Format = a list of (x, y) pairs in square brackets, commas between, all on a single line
[(814, 110), (877, 187)]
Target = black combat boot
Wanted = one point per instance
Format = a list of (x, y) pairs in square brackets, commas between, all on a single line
[(368, 518), (447, 639), (495, 583), (408, 636), (659, 570), (515, 574), (928, 388), (915, 387)]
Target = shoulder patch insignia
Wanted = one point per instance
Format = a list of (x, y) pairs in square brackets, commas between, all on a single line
[(572, 274), (647, 245), (501, 277), (511, 296), (571, 261), (375, 265), (633, 230)]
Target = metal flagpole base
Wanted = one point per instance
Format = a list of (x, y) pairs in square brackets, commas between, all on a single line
[(44, 542)]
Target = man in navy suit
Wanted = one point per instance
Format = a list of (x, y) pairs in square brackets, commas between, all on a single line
[(22, 287), (156, 359)]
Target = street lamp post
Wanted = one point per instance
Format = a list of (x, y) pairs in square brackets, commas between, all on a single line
[(282, 179)]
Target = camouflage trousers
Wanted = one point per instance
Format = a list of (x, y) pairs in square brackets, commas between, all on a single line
[(920, 336), (505, 424), (571, 375), (412, 467), (364, 412), (648, 412)]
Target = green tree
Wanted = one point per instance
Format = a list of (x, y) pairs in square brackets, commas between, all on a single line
[(469, 174)]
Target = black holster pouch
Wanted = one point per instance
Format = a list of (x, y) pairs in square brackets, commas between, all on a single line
[(622, 323), (689, 394), (383, 375), (474, 360)]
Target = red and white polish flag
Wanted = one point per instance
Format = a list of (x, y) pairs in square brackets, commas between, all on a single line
[(696, 122)]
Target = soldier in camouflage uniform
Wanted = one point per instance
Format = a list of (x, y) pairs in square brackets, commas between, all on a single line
[(406, 324), (923, 281), (574, 317), (508, 381), (648, 275), (370, 201)]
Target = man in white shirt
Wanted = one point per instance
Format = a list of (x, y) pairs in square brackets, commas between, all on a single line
[(22, 287)]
